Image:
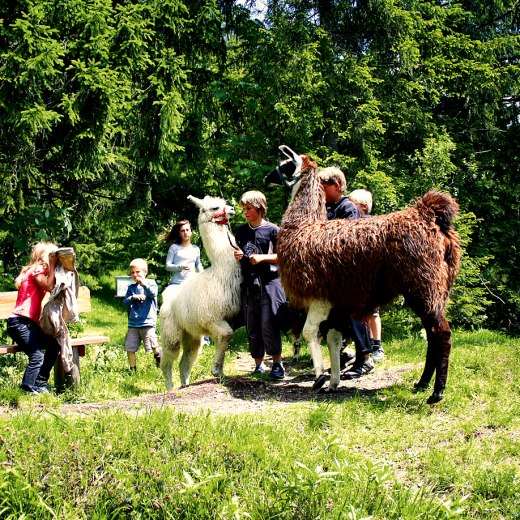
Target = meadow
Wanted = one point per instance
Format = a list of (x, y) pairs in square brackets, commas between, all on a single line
[(383, 454)]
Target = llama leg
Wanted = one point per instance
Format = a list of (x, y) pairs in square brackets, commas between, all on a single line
[(438, 334), (222, 333), (318, 312), (443, 342), (296, 348), (430, 364), (298, 321), (191, 349), (170, 338), (169, 355), (334, 344)]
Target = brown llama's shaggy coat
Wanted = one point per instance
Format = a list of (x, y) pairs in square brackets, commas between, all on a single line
[(359, 265)]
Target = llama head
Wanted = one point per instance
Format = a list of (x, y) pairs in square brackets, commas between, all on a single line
[(287, 173), (213, 209)]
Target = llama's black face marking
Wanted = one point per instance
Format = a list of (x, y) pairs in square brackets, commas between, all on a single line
[(283, 175), (288, 172)]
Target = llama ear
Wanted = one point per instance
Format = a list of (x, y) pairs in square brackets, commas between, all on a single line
[(292, 155), (195, 200)]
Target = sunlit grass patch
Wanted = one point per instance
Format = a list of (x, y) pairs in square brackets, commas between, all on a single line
[(185, 463), (383, 453)]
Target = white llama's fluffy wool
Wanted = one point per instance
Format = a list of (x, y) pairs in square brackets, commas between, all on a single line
[(207, 303)]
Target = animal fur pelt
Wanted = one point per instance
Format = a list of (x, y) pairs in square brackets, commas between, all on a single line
[(359, 265), (206, 304), (62, 308)]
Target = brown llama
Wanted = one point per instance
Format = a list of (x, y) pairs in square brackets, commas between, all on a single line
[(356, 266)]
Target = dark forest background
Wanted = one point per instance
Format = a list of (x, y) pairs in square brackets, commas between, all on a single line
[(113, 112)]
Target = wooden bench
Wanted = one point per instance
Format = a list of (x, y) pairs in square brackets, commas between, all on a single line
[(7, 303)]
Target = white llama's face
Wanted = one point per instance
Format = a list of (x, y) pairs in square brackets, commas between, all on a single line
[(213, 209)]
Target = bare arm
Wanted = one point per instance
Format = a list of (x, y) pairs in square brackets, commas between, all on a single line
[(48, 281), (258, 259)]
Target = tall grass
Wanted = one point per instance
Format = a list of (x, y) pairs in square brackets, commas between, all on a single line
[(383, 454)]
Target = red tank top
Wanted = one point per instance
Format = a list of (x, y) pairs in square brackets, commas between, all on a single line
[(30, 295)]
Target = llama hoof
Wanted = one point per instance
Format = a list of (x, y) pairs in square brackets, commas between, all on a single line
[(320, 381), (217, 370), (435, 398), (331, 389)]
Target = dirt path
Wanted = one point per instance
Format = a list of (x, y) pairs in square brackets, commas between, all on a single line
[(240, 394)]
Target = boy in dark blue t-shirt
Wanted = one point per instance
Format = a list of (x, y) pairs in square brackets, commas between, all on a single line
[(263, 298)]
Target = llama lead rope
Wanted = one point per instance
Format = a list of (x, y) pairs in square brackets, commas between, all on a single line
[(229, 235)]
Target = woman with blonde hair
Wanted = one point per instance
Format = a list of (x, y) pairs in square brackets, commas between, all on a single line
[(35, 279)]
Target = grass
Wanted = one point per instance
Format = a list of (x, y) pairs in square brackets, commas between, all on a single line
[(385, 454)]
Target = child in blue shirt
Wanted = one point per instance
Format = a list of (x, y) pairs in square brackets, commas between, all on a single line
[(141, 303), (263, 298)]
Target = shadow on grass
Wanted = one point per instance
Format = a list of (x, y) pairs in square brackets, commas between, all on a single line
[(131, 389)]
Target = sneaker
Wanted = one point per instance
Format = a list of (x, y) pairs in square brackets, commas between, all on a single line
[(345, 358), (157, 357), (206, 341), (278, 372), (378, 355), (41, 389), (260, 369), (28, 389), (359, 370)]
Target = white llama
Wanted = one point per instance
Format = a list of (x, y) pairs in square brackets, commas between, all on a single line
[(207, 303)]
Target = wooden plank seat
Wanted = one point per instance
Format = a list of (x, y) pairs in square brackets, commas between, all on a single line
[(7, 303)]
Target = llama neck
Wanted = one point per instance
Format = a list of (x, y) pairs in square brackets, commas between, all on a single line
[(216, 241), (308, 204)]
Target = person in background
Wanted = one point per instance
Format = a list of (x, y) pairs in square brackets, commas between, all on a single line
[(263, 298), (339, 206), (363, 201), (141, 303), (183, 258), (34, 280)]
